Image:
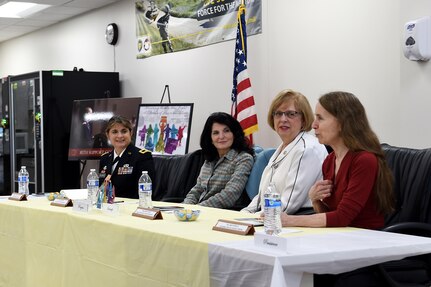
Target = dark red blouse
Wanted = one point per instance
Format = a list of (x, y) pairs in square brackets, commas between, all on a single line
[(352, 202)]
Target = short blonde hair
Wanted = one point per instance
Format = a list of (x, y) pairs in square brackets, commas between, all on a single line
[(301, 105)]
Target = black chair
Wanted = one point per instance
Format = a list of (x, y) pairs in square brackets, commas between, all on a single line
[(411, 169), (412, 186), (176, 175)]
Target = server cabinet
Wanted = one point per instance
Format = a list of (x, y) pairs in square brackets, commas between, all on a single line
[(40, 109)]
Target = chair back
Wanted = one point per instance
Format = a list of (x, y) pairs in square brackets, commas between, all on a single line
[(262, 158), (411, 169), (176, 175)]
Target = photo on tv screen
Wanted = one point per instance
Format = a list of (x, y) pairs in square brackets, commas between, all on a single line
[(164, 128), (89, 119)]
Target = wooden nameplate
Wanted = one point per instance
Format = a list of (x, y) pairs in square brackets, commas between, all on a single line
[(148, 213), (18, 196), (234, 227), (62, 202)]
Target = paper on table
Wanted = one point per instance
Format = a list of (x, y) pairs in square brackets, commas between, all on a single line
[(252, 220), (165, 208)]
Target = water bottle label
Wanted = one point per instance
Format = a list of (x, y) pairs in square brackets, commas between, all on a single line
[(145, 187), (92, 183), (22, 178), (272, 202)]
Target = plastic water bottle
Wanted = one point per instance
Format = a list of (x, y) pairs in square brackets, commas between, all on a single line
[(92, 185), (145, 189), (23, 180), (272, 210)]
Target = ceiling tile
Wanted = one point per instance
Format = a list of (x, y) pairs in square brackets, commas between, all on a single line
[(60, 11)]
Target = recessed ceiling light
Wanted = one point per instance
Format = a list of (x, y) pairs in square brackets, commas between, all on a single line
[(20, 9)]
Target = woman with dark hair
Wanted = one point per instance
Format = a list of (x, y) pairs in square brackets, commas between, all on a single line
[(356, 189), (228, 162), (124, 164)]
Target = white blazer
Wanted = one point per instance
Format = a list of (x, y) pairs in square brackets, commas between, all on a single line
[(293, 170)]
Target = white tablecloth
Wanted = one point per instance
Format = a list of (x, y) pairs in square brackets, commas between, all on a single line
[(245, 264)]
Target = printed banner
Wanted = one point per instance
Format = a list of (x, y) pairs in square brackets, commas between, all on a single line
[(176, 25)]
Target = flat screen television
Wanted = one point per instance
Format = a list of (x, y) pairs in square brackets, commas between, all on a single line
[(89, 119)]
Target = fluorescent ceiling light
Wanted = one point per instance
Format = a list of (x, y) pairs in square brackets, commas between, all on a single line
[(20, 9)]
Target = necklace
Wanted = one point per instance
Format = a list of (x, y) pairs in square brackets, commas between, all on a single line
[(276, 163), (274, 166)]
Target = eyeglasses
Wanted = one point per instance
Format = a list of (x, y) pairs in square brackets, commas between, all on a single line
[(289, 114)]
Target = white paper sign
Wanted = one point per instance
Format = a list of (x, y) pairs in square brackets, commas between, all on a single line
[(83, 206), (272, 242), (111, 209)]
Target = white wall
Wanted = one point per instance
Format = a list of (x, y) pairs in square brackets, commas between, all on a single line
[(311, 46), (415, 87)]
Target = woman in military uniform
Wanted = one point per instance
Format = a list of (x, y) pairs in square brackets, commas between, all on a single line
[(124, 164)]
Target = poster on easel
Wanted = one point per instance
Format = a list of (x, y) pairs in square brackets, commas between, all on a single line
[(164, 128)]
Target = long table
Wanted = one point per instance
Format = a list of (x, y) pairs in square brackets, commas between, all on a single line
[(44, 245)]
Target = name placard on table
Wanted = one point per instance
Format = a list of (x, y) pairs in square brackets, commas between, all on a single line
[(111, 209), (18, 196), (83, 206), (234, 227), (274, 242), (62, 202), (148, 213)]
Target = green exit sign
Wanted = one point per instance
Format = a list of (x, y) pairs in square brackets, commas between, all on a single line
[(57, 73)]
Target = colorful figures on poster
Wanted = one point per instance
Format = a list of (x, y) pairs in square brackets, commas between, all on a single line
[(160, 146), (167, 132), (149, 145), (156, 132), (142, 134), (180, 134), (164, 138)]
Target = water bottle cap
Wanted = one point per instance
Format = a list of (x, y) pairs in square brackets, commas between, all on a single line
[(144, 171), (92, 169), (23, 166)]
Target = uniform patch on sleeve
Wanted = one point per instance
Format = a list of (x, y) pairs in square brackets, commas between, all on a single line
[(144, 151)]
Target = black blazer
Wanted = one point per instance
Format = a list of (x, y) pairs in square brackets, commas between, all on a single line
[(129, 168)]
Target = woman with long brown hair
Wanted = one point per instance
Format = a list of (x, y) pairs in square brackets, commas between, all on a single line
[(356, 189)]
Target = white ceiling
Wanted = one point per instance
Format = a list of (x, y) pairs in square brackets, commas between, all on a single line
[(59, 11)]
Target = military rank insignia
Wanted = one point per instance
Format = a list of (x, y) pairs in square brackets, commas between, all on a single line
[(125, 169)]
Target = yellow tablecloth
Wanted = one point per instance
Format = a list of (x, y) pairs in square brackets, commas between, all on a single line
[(44, 245)]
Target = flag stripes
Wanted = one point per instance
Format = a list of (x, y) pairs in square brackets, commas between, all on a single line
[(243, 105)]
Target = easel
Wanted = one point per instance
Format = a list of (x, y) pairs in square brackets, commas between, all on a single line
[(164, 92)]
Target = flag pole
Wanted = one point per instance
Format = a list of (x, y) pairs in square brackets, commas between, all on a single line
[(241, 10)]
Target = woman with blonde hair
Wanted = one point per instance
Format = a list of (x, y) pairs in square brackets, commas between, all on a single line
[(296, 164)]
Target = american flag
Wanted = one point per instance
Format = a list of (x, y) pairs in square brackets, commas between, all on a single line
[(243, 106)]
